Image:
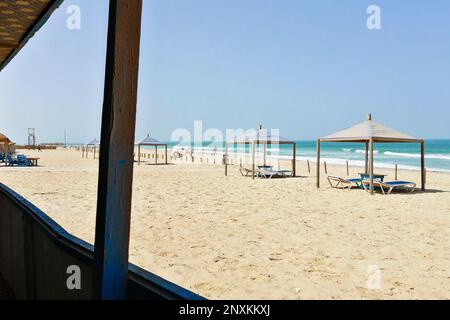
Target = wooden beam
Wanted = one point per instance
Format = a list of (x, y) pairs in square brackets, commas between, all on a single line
[(318, 165), (116, 150), (9, 45)]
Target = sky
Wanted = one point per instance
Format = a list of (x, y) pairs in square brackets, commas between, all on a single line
[(305, 67)]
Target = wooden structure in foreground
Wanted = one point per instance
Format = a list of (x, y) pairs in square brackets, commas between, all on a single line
[(369, 133), (34, 251), (264, 138), (149, 141)]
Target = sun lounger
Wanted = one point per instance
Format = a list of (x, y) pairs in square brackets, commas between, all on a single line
[(341, 183), (269, 172), (22, 161), (245, 172), (389, 186)]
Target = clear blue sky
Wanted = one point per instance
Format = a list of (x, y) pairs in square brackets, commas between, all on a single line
[(306, 67)]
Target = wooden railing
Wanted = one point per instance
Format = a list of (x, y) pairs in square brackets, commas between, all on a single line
[(35, 254)]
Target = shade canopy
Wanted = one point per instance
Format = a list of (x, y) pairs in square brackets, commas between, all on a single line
[(260, 136), (94, 142), (369, 133), (4, 139), (369, 130), (19, 21), (149, 141)]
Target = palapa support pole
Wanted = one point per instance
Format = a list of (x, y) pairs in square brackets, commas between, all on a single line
[(348, 171), (265, 153), (112, 230), (422, 164), (367, 158), (165, 152), (294, 164), (156, 154), (253, 159), (372, 191), (396, 172), (225, 159), (139, 154), (318, 165)]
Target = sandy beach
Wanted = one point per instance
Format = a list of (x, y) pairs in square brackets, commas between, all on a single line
[(237, 238)]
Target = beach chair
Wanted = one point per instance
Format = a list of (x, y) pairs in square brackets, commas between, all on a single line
[(341, 183), (2, 158), (22, 161), (245, 172), (387, 187), (10, 161), (269, 172)]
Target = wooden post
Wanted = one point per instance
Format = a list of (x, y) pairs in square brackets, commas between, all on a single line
[(139, 154), (367, 158), (112, 230), (253, 159), (309, 166), (156, 154), (422, 164), (325, 167), (95, 149), (372, 191), (166, 154), (318, 165), (348, 171), (265, 153), (294, 164), (396, 172), (225, 159)]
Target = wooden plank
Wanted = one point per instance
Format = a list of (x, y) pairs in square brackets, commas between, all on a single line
[(117, 147), (4, 45)]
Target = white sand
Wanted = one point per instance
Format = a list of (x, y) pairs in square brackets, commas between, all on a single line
[(234, 237)]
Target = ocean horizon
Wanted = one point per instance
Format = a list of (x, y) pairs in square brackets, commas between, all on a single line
[(386, 155)]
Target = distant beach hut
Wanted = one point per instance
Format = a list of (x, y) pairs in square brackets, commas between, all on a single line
[(369, 133), (94, 144), (149, 141), (261, 137), (6, 145)]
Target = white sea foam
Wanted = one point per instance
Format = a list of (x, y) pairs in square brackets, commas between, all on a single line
[(417, 156)]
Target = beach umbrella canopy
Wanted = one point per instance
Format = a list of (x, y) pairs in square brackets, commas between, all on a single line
[(149, 141), (369, 130), (260, 136), (94, 142)]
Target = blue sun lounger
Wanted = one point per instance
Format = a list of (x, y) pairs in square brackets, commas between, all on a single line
[(410, 186)]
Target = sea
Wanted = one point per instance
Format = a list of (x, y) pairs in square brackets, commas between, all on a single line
[(386, 155)]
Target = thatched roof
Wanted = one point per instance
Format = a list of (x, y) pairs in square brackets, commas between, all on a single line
[(369, 130), (94, 142), (260, 136), (4, 139), (19, 21), (149, 141)]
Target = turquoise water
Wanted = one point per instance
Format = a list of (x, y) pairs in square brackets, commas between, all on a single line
[(405, 155)]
